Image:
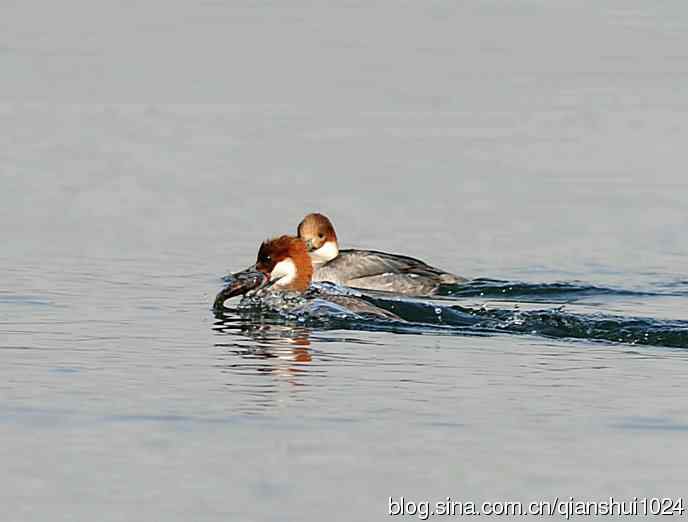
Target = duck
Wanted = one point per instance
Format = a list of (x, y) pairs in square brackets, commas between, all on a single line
[(367, 269), (284, 267)]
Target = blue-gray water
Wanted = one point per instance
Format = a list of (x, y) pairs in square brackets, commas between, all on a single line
[(146, 150)]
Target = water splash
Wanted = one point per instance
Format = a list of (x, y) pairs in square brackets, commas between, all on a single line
[(440, 317)]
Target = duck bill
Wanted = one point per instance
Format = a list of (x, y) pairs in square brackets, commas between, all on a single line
[(241, 283)]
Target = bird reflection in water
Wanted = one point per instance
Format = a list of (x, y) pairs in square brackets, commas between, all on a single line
[(283, 351)]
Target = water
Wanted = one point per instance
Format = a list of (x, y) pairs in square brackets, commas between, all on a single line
[(145, 151)]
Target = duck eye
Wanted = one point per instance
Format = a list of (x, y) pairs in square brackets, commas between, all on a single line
[(321, 235)]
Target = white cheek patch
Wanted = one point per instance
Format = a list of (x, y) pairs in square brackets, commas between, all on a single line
[(284, 273), (325, 253)]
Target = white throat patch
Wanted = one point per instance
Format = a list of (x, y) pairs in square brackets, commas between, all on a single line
[(284, 272), (325, 253)]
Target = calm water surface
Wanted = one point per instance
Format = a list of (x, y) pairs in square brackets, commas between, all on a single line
[(146, 151)]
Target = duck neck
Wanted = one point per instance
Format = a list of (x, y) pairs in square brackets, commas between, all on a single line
[(325, 253)]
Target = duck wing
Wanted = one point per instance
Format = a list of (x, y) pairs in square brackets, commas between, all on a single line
[(353, 264)]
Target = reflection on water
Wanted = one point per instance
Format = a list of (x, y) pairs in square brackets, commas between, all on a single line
[(280, 353), (283, 349)]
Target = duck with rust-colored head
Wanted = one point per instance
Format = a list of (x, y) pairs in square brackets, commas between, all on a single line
[(367, 269), (283, 264)]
